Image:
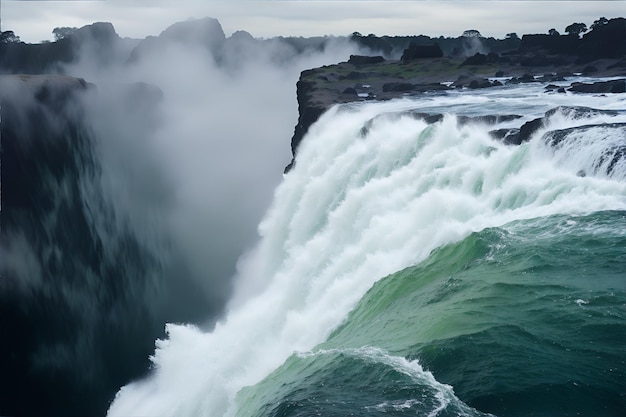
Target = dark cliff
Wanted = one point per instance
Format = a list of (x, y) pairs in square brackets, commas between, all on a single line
[(79, 292), (53, 259)]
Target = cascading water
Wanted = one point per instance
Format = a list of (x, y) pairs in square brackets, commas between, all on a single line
[(378, 199)]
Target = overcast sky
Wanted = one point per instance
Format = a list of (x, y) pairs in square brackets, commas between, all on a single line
[(33, 21)]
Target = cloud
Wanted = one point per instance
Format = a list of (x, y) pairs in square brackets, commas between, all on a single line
[(34, 21), (197, 171), (189, 140)]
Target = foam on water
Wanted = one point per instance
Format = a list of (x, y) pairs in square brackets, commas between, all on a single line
[(355, 208), (443, 396)]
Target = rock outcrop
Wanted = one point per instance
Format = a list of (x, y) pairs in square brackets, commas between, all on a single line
[(320, 88), (67, 271), (517, 136), (206, 32), (423, 69), (365, 60), (599, 87), (607, 160)]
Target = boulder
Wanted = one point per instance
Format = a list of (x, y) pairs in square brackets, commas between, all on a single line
[(600, 87), (527, 130), (479, 83), (507, 136), (365, 60), (526, 78)]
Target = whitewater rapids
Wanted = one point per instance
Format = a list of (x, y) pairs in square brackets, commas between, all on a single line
[(361, 205)]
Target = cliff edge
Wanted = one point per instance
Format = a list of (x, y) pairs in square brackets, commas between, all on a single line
[(425, 70)]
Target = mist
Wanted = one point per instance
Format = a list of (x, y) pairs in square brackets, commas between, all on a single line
[(193, 173), (189, 133)]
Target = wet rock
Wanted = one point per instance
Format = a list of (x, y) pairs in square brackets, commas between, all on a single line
[(429, 118), (484, 83), (600, 87), (579, 112), (527, 130), (608, 158), (490, 119), (507, 136)]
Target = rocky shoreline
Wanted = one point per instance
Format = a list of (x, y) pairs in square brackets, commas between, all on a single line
[(544, 59), (321, 88)]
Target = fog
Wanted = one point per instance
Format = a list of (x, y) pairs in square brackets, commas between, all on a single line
[(192, 171), (158, 192)]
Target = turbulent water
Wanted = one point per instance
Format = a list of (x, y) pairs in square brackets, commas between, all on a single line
[(415, 269)]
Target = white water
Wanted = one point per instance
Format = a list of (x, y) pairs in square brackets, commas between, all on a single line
[(442, 394), (355, 209)]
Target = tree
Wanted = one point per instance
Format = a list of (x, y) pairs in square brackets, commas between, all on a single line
[(472, 33), (553, 32), (512, 35), (600, 22), (9, 37), (576, 29), (62, 32)]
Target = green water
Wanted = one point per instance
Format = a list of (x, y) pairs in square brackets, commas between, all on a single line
[(524, 320)]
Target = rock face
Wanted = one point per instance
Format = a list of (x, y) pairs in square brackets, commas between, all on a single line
[(42, 155), (65, 279), (310, 108), (37, 109), (206, 32)]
